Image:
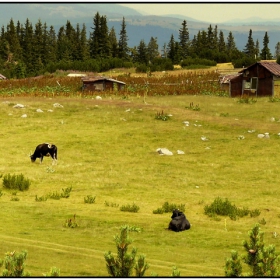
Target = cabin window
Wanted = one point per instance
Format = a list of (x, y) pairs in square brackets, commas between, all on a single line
[(251, 83)]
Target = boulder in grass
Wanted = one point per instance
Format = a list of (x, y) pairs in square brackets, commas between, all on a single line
[(19, 106), (164, 151)]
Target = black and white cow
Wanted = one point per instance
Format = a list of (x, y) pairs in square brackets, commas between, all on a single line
[(179, 221), (44, 150)]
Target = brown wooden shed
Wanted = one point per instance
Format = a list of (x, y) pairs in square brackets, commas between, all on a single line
[(255, 80), (101, 84)]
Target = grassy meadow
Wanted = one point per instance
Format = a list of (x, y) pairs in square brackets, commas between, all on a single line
[(107, 149)]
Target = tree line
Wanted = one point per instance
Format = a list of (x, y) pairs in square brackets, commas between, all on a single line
[(27, 50)]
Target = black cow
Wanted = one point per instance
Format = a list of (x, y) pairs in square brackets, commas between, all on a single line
[(44, 150), (179, 221)]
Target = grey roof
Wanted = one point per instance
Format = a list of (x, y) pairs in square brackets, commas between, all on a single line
[(272, 66), (100, 78)]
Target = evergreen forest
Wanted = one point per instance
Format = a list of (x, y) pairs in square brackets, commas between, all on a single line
[(28, 50)]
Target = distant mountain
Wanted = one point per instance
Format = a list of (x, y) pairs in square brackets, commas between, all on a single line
[(138, 26)]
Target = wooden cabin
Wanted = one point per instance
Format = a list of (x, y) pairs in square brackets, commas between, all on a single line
[(256, 80), (101, 84)]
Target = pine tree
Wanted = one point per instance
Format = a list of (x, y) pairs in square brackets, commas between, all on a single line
[(123, 39), (39, 55), (122, 265), (250, 46), (142, 53), (277, 50), (94, 36), (104, 50), (265, 53), (27, 47), (113, 42), (257, 49), (171, 49), (221, 42), (152, 49), (184, 40)]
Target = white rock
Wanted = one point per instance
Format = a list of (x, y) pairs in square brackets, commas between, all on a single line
[(98, 97), (266, 135), (50, 110), (272, 119), (24, 116), (179, 152), (164, 151), (128, 110), (19, 106), (39, 111), (203, 138), (241, 137), (251, 131), (261, 135), (57, 105)]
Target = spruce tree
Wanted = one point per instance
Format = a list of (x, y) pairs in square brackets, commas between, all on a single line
[(152, 49), (171, 49), (250, 46), (265, 53), (277, 50), (113, 42), (184, 40), (221, 42), (123, 39), (142, 53)]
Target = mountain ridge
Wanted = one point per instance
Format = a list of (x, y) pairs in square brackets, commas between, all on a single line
[(138, 26)]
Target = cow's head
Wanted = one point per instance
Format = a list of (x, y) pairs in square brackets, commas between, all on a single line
[(176, 213), (33, 158)]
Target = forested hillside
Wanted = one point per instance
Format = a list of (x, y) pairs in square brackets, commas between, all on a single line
[(30, 50)]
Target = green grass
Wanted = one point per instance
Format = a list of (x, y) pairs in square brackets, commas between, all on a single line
[(110, 153)]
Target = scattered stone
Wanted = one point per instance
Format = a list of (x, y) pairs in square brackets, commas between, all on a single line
[(241, 137), (266, 135), (186, 123), (50, 110), (98, 97), (19, 106), (203, 138), (179, 152), (251, 131), (261, 135), (128, 110), (164, 151), (272, 119), (39, 111), (57, 105), (24, 116)]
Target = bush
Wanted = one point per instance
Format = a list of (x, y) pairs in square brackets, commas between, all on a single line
[(169, 207), (226, 208), (17, 182), (89, 199), (130, 208)]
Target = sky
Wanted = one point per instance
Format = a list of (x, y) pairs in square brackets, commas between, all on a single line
[(211, 12)]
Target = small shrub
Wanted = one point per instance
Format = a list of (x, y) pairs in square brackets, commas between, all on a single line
[(66, 192), (169, 207), (162, 116), (54, 195), (89, 199), (226, 208), (54, 272), (193, 107), (130, 208), (112, 204), (42, 198), (158, 211), (16, 182), (71, 223)]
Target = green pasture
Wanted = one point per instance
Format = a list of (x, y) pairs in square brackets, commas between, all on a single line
[(107, 149)]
